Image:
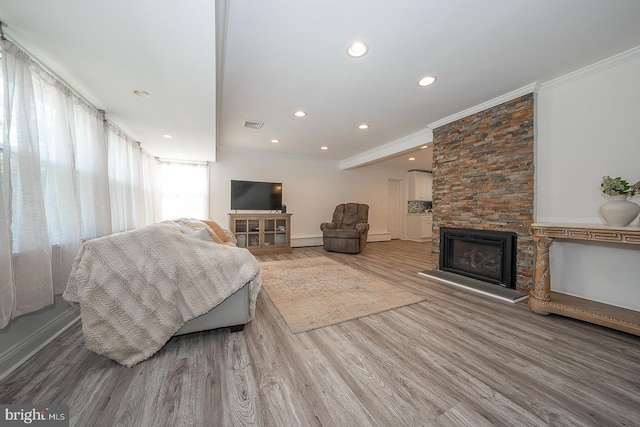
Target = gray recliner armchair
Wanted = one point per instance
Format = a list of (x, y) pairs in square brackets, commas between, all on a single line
[(348, 230)]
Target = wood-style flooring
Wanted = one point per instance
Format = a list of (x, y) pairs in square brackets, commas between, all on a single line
[(456, 359)]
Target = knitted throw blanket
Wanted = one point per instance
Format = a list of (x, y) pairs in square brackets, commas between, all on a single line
[(137, 288)]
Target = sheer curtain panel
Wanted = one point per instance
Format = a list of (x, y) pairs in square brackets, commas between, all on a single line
[(131, 182), (62, 209), (7, 290), (92, 175), (184, 190), (30, 245), (59, 167)]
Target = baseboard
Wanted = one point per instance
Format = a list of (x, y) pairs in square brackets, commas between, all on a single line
[(379, 237), (12, 358), (301, 242)]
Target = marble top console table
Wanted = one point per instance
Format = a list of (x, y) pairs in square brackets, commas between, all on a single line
[(543, 301)]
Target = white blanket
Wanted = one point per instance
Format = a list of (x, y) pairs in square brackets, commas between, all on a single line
[(137, 288)]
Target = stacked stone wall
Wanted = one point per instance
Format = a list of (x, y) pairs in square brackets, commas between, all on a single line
[(483, 177)]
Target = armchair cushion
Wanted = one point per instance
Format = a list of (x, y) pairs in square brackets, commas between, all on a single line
[(347, 215)]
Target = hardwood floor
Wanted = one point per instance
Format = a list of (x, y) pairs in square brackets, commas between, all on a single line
[(456, 359)]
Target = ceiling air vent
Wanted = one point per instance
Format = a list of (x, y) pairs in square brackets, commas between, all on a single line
[(252, 124)]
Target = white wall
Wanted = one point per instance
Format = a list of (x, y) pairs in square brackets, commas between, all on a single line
[(586, 129), (311, 189)]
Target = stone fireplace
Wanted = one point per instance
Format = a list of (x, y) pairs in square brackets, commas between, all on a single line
[(483, 178), (489, 256)]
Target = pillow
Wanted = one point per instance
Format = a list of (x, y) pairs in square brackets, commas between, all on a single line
[(219, 231), (231, 239), (200, 229), (200, 233)]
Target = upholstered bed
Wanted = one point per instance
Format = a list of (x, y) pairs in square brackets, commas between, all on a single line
[(139, 288), (234, 312)]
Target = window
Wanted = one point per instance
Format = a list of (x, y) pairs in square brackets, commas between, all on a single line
[(56, 154), (184, 190)]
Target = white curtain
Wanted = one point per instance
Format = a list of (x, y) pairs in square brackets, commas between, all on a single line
[(55, 117), (184, 190), (24, 201), (92, 170), (7, 290), (131, 182), (150, 184), (56, 183)]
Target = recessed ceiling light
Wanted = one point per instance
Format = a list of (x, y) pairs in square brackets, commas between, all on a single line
[(324, 147), (275, 141), (363, 126), (426, 81), (166, 135), (299, 114), (141, 93), (423, 147), (412, 158), (357, 49)]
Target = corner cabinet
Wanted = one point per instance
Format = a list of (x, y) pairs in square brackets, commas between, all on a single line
[(420, 185), (262, 233)]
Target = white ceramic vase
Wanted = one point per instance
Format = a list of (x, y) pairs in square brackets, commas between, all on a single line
[(619, 211)]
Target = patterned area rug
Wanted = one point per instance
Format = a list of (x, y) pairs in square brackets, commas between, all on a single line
[(312, 293)]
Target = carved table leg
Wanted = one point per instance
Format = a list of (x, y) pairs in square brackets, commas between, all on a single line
[(542, 276)]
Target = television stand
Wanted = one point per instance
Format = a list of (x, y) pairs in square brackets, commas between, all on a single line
[(262, 233)]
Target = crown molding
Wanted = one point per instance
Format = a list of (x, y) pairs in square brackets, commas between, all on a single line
[(411, 141), (530, 88), (424, 136), (389, 149), (605, 64), (255, 152)]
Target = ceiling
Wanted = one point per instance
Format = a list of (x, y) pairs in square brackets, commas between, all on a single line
[(280, 56)]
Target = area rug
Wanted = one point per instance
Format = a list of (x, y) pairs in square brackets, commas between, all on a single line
[(312, 293)]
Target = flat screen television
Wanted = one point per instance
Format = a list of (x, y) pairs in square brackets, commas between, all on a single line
[(256, 196)]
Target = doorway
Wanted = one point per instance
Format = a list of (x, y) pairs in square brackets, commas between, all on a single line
[(395, 213)]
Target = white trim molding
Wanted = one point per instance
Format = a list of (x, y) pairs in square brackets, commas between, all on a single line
[(398, 146), (613, 61), (13, 357), (302, 242), (379, 237), (530, 88)]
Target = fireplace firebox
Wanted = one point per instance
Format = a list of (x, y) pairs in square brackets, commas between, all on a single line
[(484, 255)]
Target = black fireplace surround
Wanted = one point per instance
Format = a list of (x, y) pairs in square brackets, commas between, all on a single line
[(484, 255)]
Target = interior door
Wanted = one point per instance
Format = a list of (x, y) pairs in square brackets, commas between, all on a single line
[(395, 212)]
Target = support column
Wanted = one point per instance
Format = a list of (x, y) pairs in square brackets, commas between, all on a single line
[(542, 275)]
